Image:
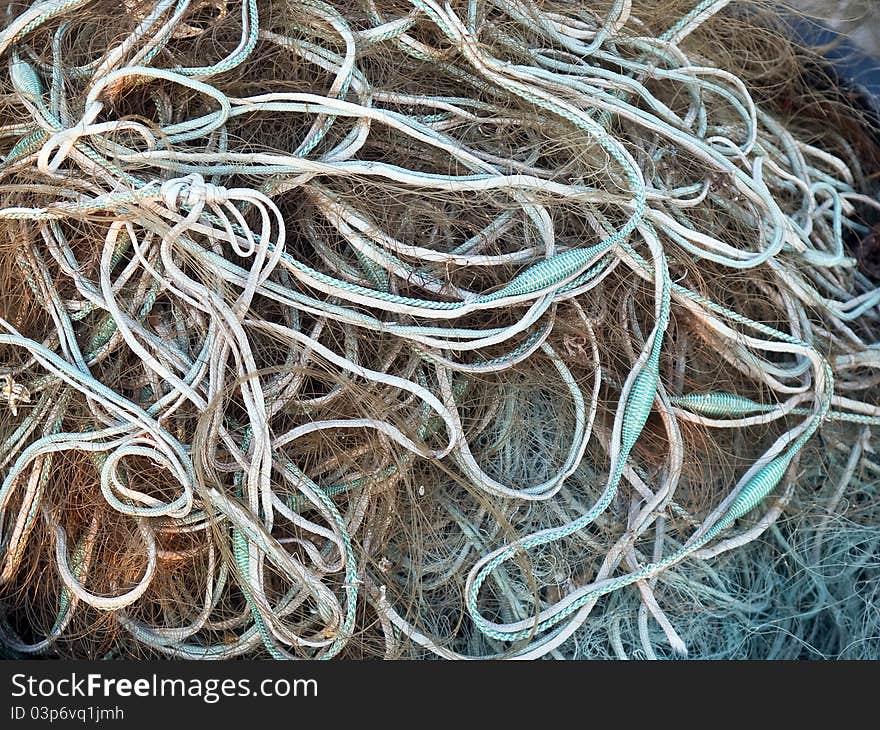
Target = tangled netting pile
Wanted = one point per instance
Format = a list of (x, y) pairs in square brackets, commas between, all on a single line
[(488, 328)]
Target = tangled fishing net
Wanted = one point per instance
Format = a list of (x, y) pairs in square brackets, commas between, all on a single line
[(488, 328)]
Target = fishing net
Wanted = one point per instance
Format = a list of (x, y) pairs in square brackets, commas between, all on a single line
[(401, 328)]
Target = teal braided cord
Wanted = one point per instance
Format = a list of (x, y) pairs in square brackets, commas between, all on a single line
[(633, 415), (241, 54)]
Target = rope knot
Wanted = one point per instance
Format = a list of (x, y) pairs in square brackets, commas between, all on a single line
[(14, 394), (191, 192)]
